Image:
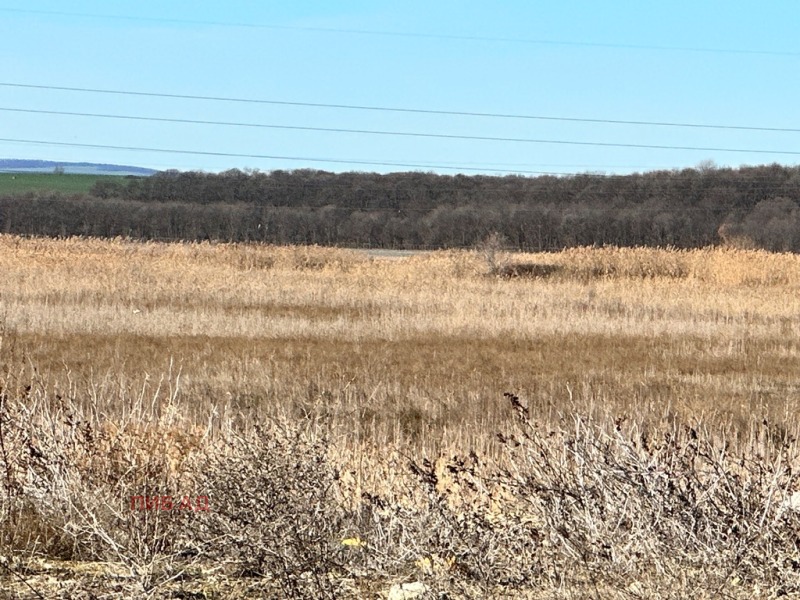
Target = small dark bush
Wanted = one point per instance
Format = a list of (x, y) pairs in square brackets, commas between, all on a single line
[(529, 270)]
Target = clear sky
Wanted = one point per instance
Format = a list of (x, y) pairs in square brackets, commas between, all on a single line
[(693, 62)]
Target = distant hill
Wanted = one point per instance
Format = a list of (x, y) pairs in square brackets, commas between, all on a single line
[(16, 165)]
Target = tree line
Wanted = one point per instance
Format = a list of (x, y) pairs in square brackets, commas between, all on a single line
[(758, 206)]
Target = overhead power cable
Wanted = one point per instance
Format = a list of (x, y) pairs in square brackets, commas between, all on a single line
[(405, 34), (458, 113), (408, 133)]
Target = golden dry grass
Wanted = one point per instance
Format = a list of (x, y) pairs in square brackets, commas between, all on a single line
[(411, 349), (164, 348)]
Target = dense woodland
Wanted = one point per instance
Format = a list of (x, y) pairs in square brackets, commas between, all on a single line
[(757, 206)]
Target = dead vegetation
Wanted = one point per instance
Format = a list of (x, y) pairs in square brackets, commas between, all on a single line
[(356, 439)]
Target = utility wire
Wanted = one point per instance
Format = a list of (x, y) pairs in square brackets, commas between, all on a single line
[(397, 109), (405, 34), (408, 133)]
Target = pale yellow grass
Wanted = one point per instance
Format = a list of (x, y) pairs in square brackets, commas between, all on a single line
[(420, 348), (166, 352), (82, 286)]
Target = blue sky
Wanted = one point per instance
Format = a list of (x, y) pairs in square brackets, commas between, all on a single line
[(700, 62)]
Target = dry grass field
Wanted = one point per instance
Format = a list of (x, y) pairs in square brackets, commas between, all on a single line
[(593, 423)]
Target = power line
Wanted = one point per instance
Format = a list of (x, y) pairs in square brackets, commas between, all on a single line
[(407, 133), (399, 109), (406, 34)]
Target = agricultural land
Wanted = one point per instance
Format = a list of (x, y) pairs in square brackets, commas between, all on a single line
[(65, 183)]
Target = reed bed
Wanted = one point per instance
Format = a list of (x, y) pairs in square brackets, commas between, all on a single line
[(511, 405)]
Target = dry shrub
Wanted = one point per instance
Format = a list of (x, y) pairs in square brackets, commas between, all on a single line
[(492, 248), (677, 511), (473, 543), (78, 487), (581, 506), (69, 479), (528, 269), (506, 265), (600, 508), (274, 513)]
